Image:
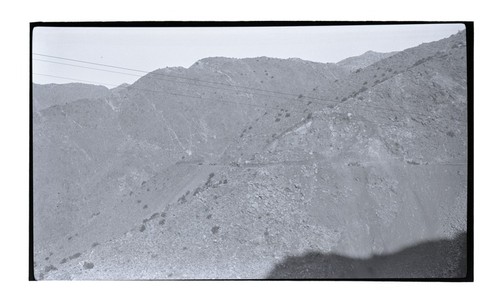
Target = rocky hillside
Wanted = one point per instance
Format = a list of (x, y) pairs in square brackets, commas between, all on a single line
[(229, 167)]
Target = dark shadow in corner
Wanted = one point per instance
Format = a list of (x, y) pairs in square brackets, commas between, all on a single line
[(439, 260)]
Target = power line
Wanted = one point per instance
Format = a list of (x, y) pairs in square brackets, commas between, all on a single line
[(78, 80), (168, 93), (185, 78), (85, 67), (177, 82), (87, 62), (299, 98)]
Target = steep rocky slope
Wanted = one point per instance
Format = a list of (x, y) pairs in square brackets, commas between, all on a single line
[(187, 173)]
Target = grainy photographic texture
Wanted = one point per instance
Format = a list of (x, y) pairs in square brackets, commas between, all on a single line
[(253, 163)]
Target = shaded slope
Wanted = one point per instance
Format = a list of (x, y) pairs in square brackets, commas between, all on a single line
[(434, 259)]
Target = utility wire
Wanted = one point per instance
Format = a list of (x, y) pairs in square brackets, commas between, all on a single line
[(86, 67), (185, 78), (159, 76), (169, 93), (199, 80), (76, 79)]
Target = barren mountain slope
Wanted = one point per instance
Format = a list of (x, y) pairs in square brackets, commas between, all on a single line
[(103, 165), (358, 165)]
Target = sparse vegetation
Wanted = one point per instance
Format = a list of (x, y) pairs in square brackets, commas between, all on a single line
[(210, 176), (49, 268), (421, 61), (215, 229), (183, 199), (412, 162), (196, 191)]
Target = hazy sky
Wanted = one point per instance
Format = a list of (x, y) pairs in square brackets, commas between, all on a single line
[(152, 48)]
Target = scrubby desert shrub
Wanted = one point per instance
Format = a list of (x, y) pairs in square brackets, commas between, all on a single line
[(215, 229)]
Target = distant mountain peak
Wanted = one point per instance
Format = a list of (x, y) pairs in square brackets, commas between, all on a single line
[(366, 59)]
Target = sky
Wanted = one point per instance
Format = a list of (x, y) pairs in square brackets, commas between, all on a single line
[(151, 48)]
